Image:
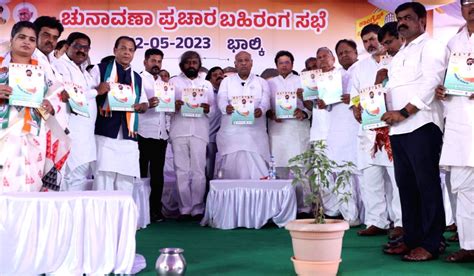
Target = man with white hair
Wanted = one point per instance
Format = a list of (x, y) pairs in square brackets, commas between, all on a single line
[(333, 123), (244, 148)]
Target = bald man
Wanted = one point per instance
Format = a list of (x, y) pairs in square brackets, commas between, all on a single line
[(244, 149)]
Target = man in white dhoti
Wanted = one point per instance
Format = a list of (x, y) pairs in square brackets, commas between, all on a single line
[(457, 153), (72, 67), (334, 124), (190, 135), (378, 187), (296, 129), (116, 131), (244, 148)]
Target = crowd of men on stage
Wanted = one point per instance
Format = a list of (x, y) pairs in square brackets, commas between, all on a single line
[(396, 184)]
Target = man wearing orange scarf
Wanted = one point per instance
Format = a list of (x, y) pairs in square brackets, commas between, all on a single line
[(116, 131)]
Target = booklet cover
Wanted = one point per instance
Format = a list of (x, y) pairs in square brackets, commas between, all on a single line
[(385, 61), (309, 83), (192, 98), (330, 86), (121, 97), (28, 84), (244, 108), (166, 96), (459, 78), (285, 104), (77, 99), (372, 101)]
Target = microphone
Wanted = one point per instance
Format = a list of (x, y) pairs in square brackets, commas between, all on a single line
[(243, 83)]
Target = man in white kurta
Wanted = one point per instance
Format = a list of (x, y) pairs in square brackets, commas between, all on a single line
[(244, 148), (72, 67), (49, 30), (189, 137), (296, 129), (288, 137), (339, 132), (458, 146), (117, 149), (378, 187)]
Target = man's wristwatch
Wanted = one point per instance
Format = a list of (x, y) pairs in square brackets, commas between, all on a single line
[(404, 112)]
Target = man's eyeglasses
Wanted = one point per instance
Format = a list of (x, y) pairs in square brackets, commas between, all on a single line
[(85, 48)]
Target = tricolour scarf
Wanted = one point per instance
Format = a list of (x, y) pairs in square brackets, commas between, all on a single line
[(104, 110)]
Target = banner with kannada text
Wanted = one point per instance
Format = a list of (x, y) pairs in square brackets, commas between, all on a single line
[(215, 29)]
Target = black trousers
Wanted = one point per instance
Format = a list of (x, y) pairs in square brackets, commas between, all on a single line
[(152, 157), (416, 162)]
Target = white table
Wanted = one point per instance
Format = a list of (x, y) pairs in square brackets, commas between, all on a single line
[(141, 196), (249, 203), (67, 233)]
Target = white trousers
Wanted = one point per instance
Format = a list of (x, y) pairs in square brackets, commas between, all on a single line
[(112, 181), (334, 204), (450, 200), (76, 180), (380, 196), (243, 165), (190, 166), (462, 184)]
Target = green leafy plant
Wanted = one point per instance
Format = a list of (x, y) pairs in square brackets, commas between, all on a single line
[(315, 171)]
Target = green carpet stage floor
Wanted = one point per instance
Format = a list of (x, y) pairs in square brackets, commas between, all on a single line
[(267, 251)]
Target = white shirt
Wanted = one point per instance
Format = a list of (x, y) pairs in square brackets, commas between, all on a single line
[(458, 144), (289, 137), (190, 126), (253, 138), (413, 75), (151, 124), (83, 147), (363, 75)]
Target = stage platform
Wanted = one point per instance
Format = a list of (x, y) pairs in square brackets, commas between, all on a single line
[(267, 251)]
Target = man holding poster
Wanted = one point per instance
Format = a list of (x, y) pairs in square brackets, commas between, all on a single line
[(334, 124), (116, 131), (190, 134), (72, 67), (153, 133), (416, 120), (244, 148), (378, 187), (295, 128), (457, 149)]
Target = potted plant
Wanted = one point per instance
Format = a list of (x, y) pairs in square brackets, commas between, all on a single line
[(317, 243)]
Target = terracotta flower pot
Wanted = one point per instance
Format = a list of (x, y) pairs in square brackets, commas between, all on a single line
[(317, 246)]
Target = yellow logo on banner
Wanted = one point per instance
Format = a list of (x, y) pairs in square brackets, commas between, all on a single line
[(377, 17)]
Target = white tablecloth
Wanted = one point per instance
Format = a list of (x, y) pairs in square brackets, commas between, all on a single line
[(67, 233), (249, 203), (141, 196)]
